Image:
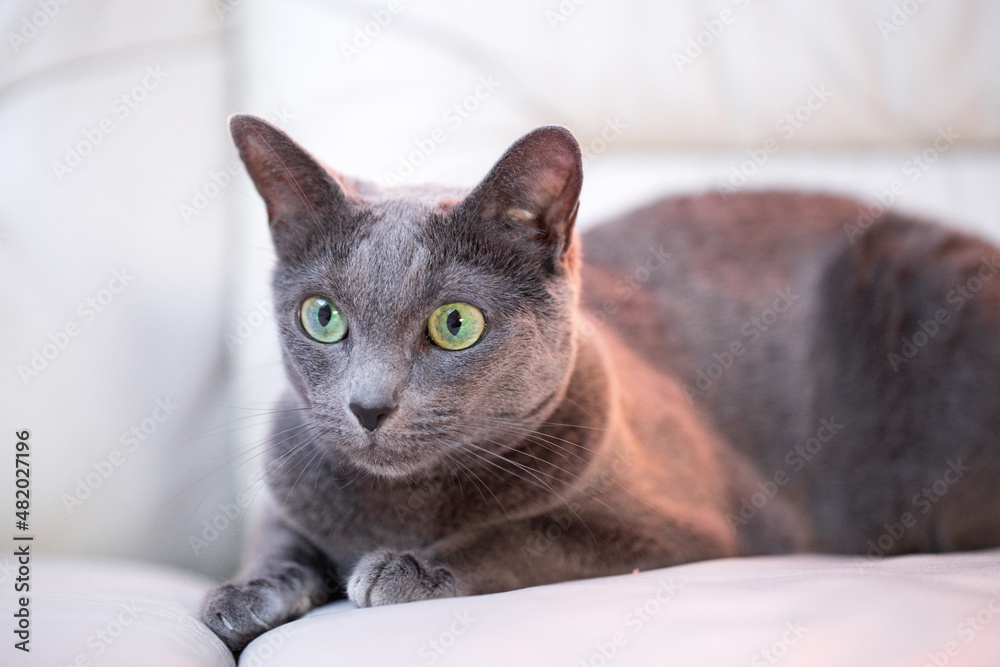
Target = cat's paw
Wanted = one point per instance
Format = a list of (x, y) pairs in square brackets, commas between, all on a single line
[(239, 612), (389, 577)]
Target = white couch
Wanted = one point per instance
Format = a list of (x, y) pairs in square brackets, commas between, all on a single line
[(134, 254)]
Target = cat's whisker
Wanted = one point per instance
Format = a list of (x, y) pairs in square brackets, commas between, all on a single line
[(539, 439), (267, 471), (468, 475), (550, 437), (545, 486), (255, 480), (355, 476), (271, 437), (465, 448), (280, 462), (485, 484), (250, 450), (259, 447), (276, 468), (262, 444), (522, 422), (533, 456), (520, 427), (555, 448), (316, 454), (221, 429), (572, 474)]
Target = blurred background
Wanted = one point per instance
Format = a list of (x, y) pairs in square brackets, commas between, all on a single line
[(137, 342)]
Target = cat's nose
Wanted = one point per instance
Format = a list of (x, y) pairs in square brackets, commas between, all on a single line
[(371, 417)]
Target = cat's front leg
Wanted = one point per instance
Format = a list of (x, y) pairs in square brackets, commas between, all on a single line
[(285, 580), (566, 544), (464, 565)]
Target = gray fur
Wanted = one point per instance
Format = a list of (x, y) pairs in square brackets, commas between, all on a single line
[(567, 442)]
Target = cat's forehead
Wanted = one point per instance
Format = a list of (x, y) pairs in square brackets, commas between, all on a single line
[(391, 255), (394, 232)]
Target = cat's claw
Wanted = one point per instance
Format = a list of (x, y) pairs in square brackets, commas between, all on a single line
[(239, 613), (389, 577)]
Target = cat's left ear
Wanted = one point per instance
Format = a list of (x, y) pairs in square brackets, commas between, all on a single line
[(536, 183)]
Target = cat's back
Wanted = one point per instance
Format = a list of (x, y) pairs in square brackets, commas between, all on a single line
[(717, 291), (737, 245), (682, 276), (789, 317), (687, 279)]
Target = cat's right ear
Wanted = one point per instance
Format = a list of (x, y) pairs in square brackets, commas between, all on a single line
[(299, 191)]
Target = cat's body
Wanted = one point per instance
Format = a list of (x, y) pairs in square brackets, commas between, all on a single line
[(717, 381), (858, 372)]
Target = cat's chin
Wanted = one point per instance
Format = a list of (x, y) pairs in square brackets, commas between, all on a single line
[(391, 463), (394, 470)]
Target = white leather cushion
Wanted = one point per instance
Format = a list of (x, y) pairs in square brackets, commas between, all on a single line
[(109, 614), (790, 610)]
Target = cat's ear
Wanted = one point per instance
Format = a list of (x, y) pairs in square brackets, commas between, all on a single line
[(299, 191), (536, 184)]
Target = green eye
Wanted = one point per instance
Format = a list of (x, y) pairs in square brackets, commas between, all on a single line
[(322, 320), (455, 326)]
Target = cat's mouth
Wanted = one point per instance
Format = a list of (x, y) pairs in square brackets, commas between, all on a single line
[(384, 454)]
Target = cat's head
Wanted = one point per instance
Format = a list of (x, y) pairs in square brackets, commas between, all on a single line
[(421, 323)]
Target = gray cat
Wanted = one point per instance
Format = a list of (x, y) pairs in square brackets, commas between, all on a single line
[(478, 410)]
